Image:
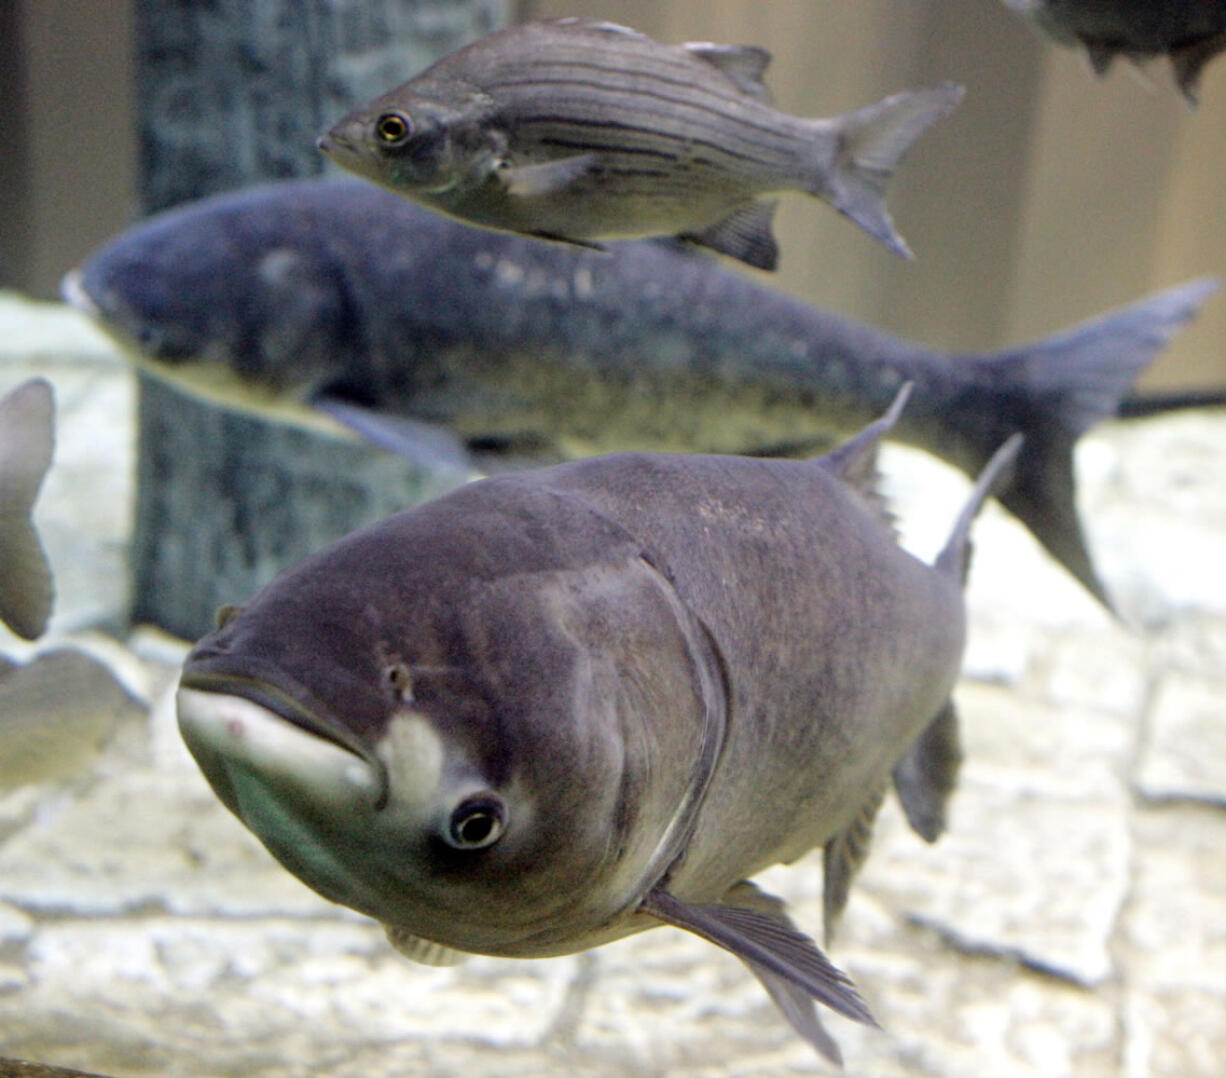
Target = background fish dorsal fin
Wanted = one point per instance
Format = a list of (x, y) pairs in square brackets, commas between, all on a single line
[(743, 64), (926, 776), (955, 558), (855, 461), (600, 26)]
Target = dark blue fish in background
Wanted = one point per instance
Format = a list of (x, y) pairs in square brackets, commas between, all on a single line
[(576, 130), (1189, 33), (27, 438), (474, 347)]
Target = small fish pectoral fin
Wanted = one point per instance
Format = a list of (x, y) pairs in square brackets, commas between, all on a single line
[(427, 444), (843, 855), (745, 65), (744, 235), (423, 952), (547, 178), (926, 776), (766, 941)]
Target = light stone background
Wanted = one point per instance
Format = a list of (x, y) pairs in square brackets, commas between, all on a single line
[(1072, 921)]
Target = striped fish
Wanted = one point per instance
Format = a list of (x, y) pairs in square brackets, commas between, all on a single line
[(580, 131)]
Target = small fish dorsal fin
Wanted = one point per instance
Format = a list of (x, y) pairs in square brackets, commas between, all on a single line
[(855, 461), (954, 559), (745, 65)]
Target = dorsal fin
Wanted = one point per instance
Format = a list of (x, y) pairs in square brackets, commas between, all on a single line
[(743, 64), (954, 559), (855, 461)]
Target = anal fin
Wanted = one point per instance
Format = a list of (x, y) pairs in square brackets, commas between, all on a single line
[(926, 776), (843, 855)]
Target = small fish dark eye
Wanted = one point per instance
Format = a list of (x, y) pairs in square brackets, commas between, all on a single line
[(400, 679), (477, 822), (393, 128)]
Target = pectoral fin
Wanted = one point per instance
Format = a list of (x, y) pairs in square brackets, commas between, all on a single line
[(768, 944), (926, 776), (546, 178), (794, 1002), (429, 445), (744, 234)]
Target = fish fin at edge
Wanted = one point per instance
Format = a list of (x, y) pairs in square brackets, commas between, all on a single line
[(546, 178), (842, 857), (763, 940), (422, 951), (871, 143), (745, 234), (27, 424), (926, 776), (1189, 62), (745, 65)]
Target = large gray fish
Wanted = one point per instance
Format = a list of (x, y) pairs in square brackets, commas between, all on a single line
[(27, 435), (377, 311), (581, 131), (1189, 32), (554, 708)]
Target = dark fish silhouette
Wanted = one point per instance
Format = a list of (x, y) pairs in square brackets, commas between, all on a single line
[(580, 131), (1189, 33), (446, 342), (557, 707), (27, 435)]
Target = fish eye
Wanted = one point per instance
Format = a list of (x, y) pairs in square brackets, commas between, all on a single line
[(393, 128), (477, 822)]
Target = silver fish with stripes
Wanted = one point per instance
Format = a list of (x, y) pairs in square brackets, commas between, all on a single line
[(581, 131)]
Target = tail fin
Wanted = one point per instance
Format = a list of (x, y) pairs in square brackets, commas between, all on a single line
[(1060, 387), (871, 142)]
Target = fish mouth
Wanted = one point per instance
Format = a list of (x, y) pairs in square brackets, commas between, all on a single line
[(72, 292), (197, 686)]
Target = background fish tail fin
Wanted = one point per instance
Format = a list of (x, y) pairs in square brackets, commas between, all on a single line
[(869, 144), (1054, 390)]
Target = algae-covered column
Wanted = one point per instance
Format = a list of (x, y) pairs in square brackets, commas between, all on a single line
[(232, 93)]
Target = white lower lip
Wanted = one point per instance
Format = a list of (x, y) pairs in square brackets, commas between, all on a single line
[(240, 732)]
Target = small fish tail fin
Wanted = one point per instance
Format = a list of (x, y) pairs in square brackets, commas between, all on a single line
[(26, 443), (1054, 390), (869, 144)]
